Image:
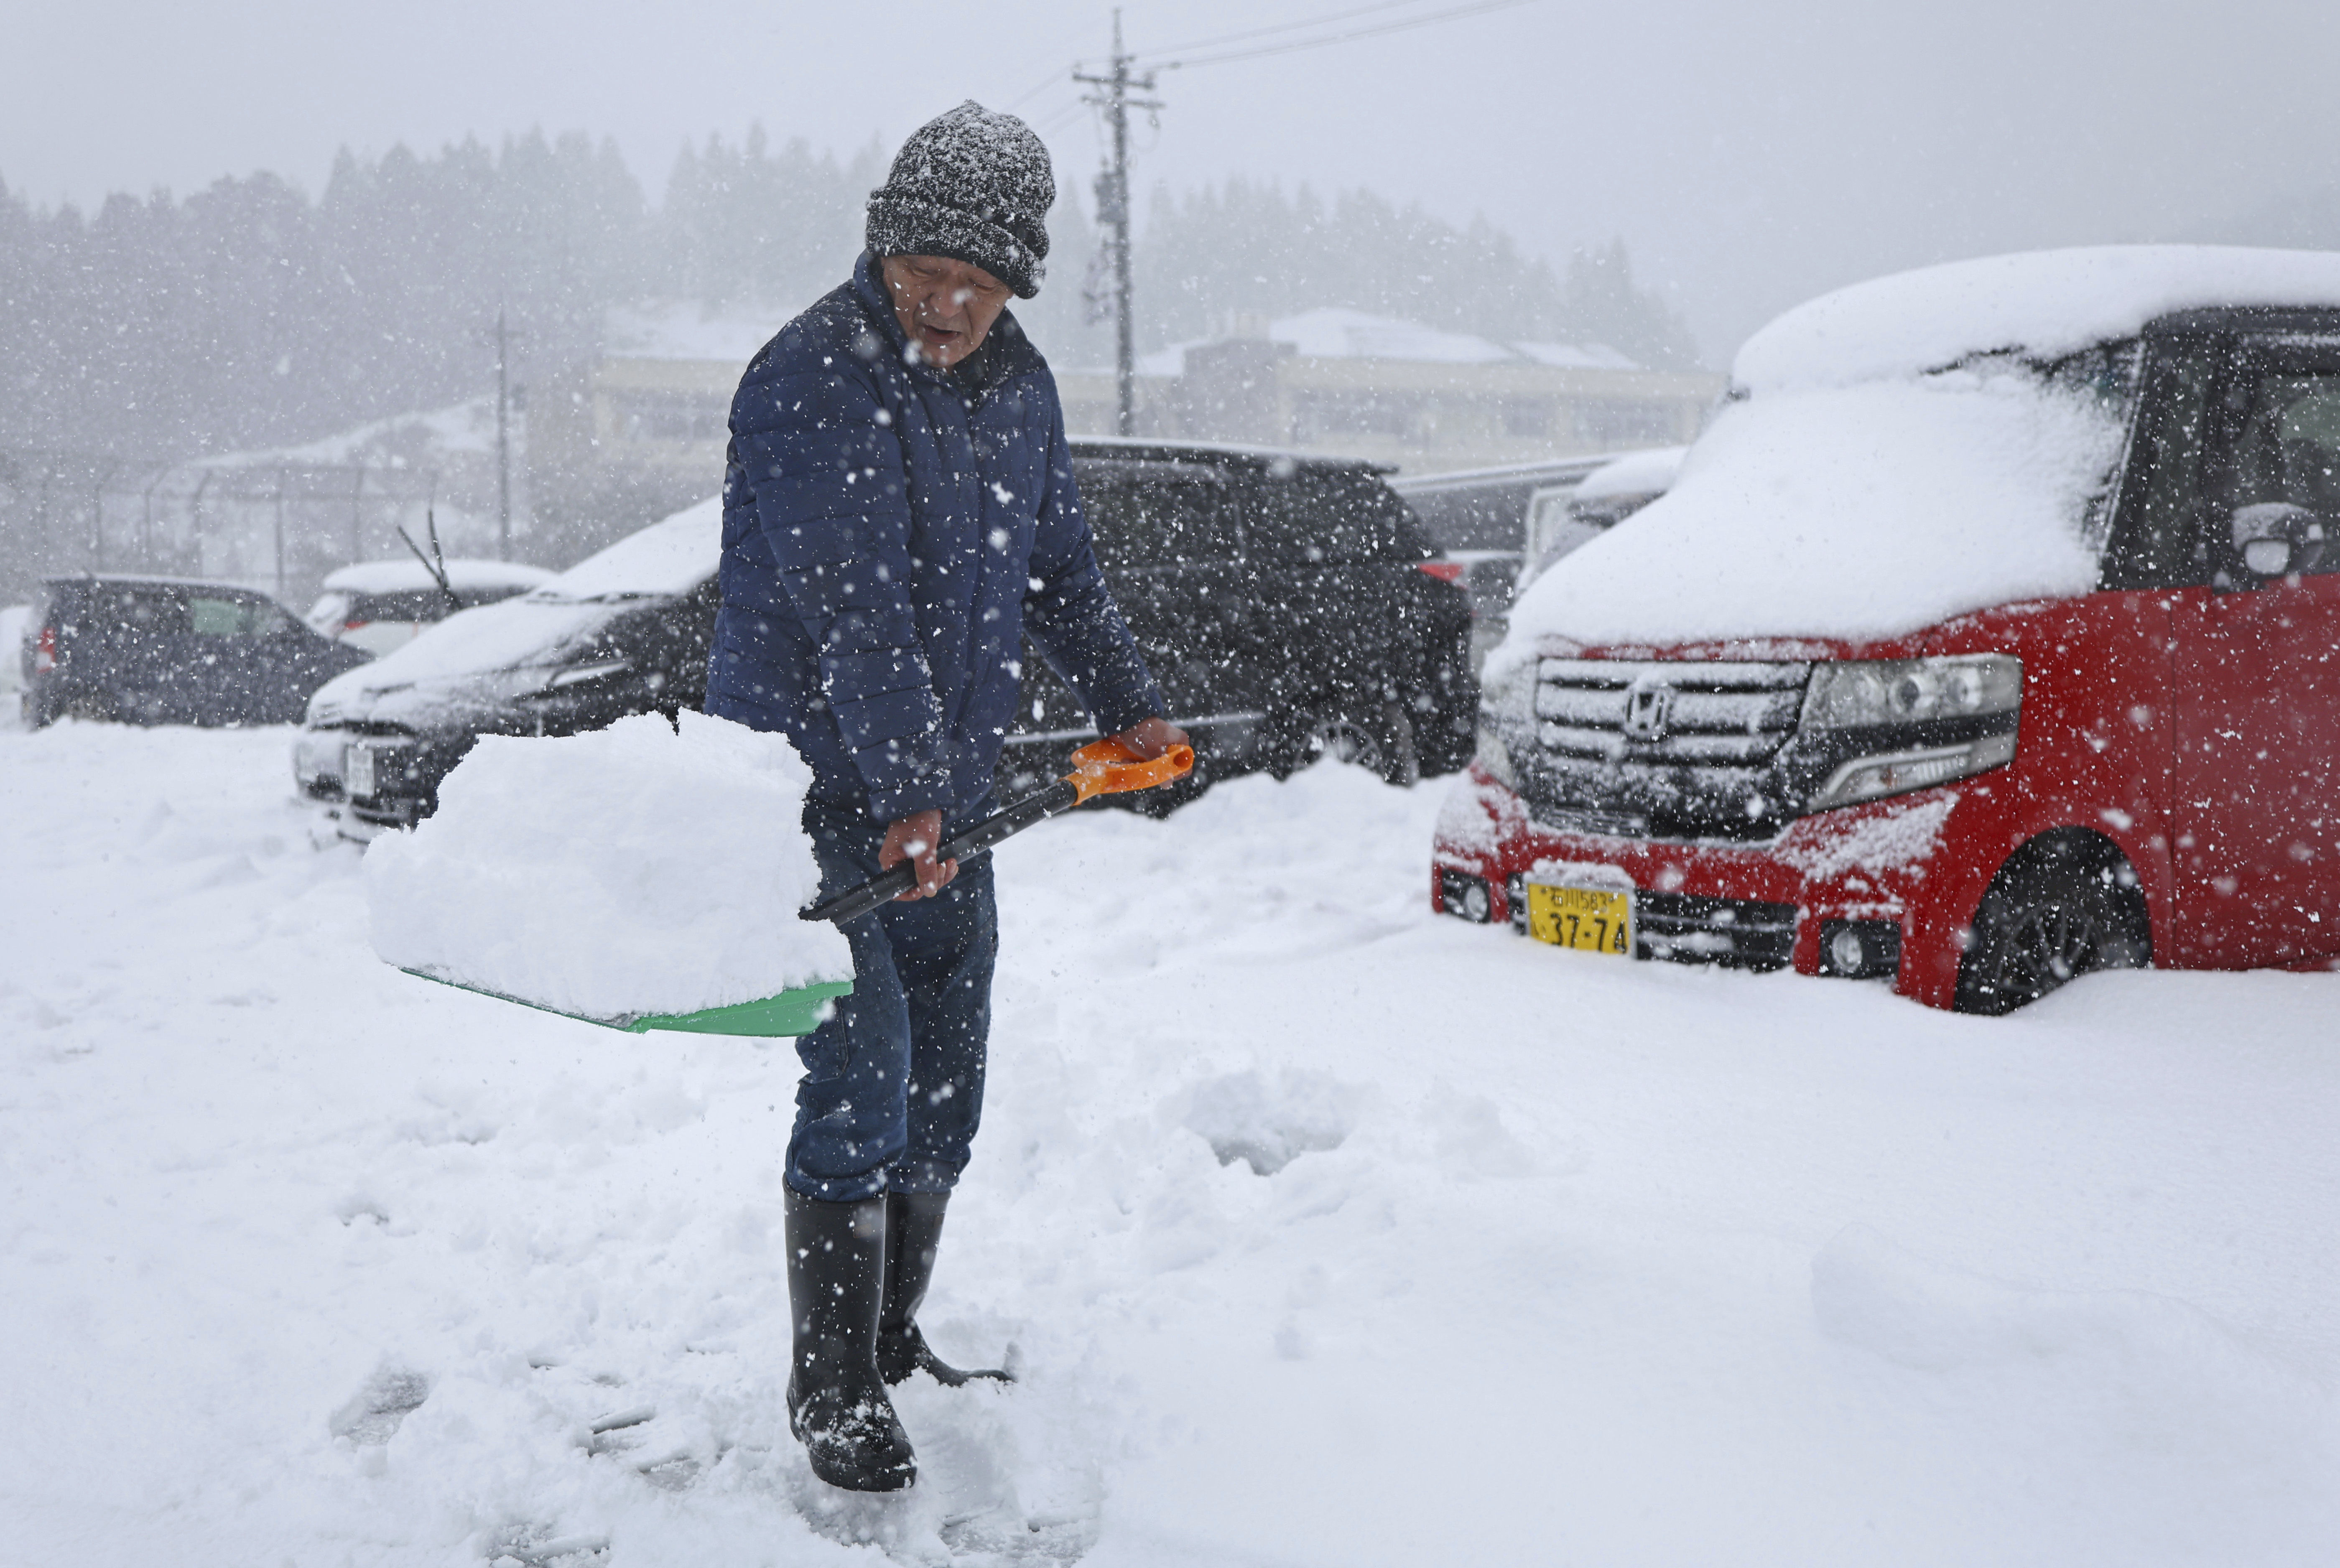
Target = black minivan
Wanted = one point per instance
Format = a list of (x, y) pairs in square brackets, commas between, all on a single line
[(1290, 607), (170, 650)]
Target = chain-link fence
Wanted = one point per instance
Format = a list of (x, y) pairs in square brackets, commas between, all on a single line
[(278, 527)]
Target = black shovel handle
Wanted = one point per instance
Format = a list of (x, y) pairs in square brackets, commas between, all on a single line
[(895, 880)]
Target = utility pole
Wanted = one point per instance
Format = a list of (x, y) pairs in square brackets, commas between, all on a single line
[(503, 441), (1113, 210)]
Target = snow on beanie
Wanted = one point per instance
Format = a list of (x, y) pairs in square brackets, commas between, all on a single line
[(972, 185)]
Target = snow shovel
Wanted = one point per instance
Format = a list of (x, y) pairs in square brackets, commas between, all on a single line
[(795, 1012), (1101, 767)]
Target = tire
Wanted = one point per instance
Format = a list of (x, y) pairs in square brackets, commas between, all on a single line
[(1378, 739), (2065, 905), (91, 706)]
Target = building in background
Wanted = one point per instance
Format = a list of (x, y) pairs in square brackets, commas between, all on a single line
[(1425, 400), (275, 519), (637, 430)]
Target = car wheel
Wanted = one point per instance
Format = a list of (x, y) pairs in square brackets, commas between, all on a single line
[(91, 707), (2064, 904), (1380, 740)]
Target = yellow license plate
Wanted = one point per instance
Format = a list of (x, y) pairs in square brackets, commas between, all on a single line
[(1586, 919)]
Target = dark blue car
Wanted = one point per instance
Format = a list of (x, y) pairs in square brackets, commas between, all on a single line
[(168, 650)]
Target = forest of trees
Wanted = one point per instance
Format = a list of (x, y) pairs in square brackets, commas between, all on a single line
[(249, 314)]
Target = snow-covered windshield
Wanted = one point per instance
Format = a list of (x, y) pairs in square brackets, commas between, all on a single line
[(511, 634), (545, 628), (1854, 512)]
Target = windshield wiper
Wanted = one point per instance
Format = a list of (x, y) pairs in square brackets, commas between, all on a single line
[(435, 563)]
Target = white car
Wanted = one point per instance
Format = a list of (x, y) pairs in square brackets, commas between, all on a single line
[(11, 661), (378, 605)]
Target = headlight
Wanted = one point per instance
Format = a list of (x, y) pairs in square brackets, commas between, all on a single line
[(1910, 696), (1858, 694), (1874, 777)]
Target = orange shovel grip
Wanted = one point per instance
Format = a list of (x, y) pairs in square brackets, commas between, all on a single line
[(1109, 767)]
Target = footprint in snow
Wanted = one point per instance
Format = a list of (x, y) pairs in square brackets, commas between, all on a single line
[(372, 1416)]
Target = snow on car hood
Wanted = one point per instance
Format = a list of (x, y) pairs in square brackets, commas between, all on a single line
[(667, 558), (1893, 457)]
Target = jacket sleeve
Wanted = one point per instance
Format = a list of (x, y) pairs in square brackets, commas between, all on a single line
[(826, 467), (1070, 612)]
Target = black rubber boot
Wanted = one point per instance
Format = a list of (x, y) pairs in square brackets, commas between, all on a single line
[(838, 1405), (914, 1230)]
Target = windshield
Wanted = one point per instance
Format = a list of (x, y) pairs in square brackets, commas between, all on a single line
[(1862, 511), (511, 634)]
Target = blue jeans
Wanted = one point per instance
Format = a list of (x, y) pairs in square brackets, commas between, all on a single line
[(893, 1083)]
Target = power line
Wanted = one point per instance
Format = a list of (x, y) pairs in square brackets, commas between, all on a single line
[(1064, 114), (1114, 99), (1456, 14), (1034, 91), (1279, 27)]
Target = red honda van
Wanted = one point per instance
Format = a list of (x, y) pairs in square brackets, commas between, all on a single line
[(1990, 635)]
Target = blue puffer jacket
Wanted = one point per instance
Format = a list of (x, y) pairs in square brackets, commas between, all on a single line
[(890, 532)]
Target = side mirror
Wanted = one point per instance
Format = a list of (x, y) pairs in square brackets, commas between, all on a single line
[(2268, 558), (2276, 539)]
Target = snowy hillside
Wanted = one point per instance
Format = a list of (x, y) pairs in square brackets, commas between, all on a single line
[(1325, 1231)]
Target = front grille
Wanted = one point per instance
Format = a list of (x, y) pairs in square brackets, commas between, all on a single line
[(1676, 748), (1737, 932), (1679, 712)]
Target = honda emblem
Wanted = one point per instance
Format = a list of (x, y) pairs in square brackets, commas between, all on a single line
[(1647, 709)]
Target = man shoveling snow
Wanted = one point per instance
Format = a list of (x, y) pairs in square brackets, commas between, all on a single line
[(898, 513)]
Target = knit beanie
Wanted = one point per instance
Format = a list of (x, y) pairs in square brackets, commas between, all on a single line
[(972, 185)]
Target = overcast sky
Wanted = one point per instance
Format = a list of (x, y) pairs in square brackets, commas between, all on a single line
[(1752, 155)]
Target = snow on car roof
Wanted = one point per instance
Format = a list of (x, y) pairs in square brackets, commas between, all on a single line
[(2042, 304), (1645, 473), (670, 557), (1899, 458), (407, 576)]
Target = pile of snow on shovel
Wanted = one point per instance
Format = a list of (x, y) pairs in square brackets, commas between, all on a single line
[(646, 868)]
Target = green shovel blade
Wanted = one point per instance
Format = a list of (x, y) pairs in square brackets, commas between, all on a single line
[(795, 1012)]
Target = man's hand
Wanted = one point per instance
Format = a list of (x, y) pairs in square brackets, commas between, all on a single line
[(1149, 738), (915, 838)]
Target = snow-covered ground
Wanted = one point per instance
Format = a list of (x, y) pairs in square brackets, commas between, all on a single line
[(1516, 1256)]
